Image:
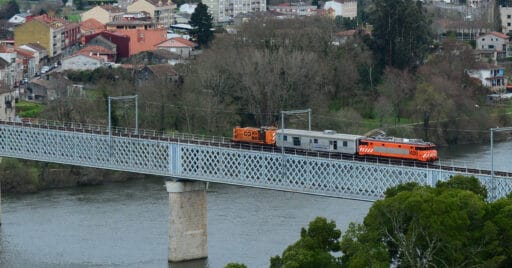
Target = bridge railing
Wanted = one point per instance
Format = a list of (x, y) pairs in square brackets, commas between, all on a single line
[(225, 142)]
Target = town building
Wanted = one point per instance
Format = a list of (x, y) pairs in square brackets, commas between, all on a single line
[(179, 46), (99, 51), (91, 26), (39, 51), (130, 25), (54, 34), (102, 13), (225, 10), (344, 8), (494, 41), (121, 41), (159, 10), (491, 76), (82, 62), (28, 60), (294, 9), (143, 40), (19, 18), (506, 19)]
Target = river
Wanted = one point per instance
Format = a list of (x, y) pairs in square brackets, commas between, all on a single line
[(126, 224)]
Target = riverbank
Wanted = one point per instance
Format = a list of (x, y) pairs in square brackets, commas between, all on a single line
[(24, 176)]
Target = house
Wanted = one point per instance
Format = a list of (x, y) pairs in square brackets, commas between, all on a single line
[(99, 51), (39, 53), (54, 34), (159, 72), (82, 62), (159, 10), (19, 18), (103, 42), (342, 36), (91, 26), (29, 61), (491, 76), (103, 13), (178, 45), (49, 87), (226, 10), (157, 56), (344, 8), (14, 69), (494, 41), (121, 41)]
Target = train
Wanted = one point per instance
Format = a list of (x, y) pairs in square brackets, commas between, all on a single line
[(333, 142)]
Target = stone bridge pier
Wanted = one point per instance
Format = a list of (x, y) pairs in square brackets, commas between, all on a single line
[(187, 220)]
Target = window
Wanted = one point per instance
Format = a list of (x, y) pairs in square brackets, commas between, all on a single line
[(509, 16), (345, 143), (508, 24), (296, 141), (335, 145), (483, 39), (285, 138), (491, 46), (315, 141)]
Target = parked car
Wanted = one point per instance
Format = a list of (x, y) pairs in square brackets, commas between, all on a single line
[(45, 69)]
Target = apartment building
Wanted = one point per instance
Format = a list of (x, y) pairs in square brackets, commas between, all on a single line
[(225, 10), (344, 8), (159, 10), (103, 13)]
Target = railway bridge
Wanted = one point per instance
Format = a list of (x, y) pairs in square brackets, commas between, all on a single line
[(190, 161)]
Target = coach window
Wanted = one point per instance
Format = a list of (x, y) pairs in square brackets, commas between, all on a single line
[(296, 141), (285, 138), (315, 141), (345, 144), (335, 145)]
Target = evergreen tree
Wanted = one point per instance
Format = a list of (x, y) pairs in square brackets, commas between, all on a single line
[(401, 35), (9, 9), (201, 20)]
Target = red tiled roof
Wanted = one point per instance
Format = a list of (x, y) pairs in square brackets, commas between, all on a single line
[(85, 55), (25, 53), (346, 33), (177, 42), (498, 34), (144, 40), (96, 50), (5, 49), (92, 25)]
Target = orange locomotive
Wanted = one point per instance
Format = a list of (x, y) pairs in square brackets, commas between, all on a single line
[(398, 148), (262, 135)]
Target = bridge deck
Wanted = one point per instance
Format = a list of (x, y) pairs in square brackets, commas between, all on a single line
[(219, 160)]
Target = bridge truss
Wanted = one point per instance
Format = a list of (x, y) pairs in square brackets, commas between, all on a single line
[(210, 162)]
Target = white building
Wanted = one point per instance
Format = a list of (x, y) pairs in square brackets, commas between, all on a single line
[(188, 8), (225, 10), (344, 8), (506, 19), (19, 18), (82, 62), (491, 76)]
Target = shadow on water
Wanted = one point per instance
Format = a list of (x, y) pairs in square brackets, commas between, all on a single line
[(202, 263)]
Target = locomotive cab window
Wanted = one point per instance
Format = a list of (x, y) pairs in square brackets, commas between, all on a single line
[(363, 143), (296, 141)]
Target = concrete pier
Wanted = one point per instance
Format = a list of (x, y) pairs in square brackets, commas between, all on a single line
[(187, 220)]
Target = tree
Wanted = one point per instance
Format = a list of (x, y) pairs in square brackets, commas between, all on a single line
[(201, 21), (314, 247), (9, 9), (420, 226), (401, 34)]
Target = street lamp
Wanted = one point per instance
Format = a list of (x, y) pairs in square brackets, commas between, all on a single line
[(497, 129)]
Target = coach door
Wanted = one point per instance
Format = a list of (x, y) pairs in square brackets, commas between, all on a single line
[(333, 145)]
